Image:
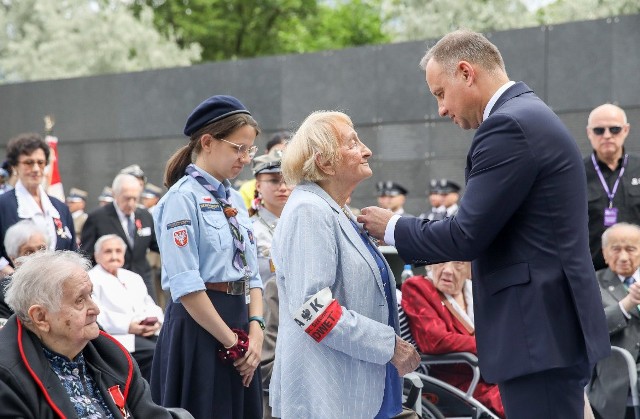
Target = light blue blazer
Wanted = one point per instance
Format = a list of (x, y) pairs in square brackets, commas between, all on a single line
[(315, 246)]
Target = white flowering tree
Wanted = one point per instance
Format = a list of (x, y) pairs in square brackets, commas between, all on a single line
[(48, 39), (425, 19)]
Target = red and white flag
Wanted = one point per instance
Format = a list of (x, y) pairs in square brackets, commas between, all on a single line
[(53, 180)]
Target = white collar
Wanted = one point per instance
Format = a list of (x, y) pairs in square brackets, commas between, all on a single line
[(28, 207), (636, 276), (453, 208), (468, 298), (495, 97)]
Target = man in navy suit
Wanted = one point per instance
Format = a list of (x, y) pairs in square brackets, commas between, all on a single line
[(523, 222)]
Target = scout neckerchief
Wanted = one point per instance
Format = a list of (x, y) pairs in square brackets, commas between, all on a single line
[(610, 213), (239, 259)]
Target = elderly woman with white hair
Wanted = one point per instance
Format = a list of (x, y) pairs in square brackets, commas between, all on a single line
[(21, 239), (55, 360), (338, 353)]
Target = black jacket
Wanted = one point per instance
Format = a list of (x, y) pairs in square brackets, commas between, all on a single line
[(29, 388)]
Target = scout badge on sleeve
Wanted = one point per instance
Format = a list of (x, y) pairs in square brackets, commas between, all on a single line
[(180, 237), (319, 314)]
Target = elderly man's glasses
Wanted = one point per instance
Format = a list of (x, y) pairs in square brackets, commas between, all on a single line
[(30, 163), (613, 130), (243, 149)]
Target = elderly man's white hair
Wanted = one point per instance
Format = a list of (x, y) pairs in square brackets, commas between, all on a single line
[(121, 180), (607, 232), (19, 233), (40, 280), (98, 246)]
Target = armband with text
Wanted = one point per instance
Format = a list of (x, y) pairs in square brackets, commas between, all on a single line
[(319, 314)]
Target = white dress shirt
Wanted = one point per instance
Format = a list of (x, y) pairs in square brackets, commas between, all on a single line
[(122, 300), (43, 217)]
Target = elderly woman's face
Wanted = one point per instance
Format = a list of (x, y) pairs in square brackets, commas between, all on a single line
[(30, 169), (35, 243), (449, 277), (353, 166), (75, 323)]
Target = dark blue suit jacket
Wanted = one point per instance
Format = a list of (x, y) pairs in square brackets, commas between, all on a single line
[(9, 216), (523, 223)]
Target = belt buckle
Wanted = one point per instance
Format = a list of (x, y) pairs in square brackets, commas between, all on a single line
[(236, 287)]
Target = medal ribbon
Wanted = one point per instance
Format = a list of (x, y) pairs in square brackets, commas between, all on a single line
[(239, 259), (612, 193)]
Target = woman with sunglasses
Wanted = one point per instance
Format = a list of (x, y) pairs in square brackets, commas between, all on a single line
[(28, 155), (209, 348)]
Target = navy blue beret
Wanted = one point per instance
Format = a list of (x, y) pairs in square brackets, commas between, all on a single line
[(213, 109)]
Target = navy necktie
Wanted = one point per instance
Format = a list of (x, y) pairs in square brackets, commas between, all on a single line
[(628, 281)]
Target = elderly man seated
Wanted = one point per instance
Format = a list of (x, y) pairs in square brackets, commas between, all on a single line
[(21, 239), (620, 292), (440, 313), (127, 311), (55, 360)]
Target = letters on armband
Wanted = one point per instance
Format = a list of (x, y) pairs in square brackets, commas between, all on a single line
[(319, 314)]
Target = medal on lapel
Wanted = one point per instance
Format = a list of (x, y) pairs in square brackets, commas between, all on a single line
[(59, 229), (139, 226), (118, 399)]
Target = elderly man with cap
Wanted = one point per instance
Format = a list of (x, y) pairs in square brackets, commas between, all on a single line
[(76, 201), (272, 193), (392, 196)]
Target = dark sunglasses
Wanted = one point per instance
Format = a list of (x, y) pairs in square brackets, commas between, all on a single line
[(612, 130)]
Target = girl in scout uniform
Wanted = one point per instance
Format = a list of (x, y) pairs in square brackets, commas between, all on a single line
[(210, 345), (272, 193)]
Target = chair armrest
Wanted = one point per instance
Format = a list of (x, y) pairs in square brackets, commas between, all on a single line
[(456, 358)]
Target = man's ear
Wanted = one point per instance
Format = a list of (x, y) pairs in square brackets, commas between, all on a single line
[(39, 318), (324, 165), (466, 71)]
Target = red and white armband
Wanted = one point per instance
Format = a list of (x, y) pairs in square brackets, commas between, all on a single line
[(319, 314)]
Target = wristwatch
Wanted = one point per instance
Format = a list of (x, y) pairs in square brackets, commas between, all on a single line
[(258, 319)]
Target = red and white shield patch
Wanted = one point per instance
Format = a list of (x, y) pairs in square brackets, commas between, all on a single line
[(180, 237)]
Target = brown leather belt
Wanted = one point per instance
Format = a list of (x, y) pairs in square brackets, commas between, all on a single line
[(232, 288)]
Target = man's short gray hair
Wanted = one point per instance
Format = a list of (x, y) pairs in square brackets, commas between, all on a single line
[(40, 280), (121, 180), (464, 45), (20, 233), (607, 232), (97, 247)]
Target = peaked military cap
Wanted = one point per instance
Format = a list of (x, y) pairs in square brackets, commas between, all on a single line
[(76, 195), (390, 188), (268, 163), (151, 191)]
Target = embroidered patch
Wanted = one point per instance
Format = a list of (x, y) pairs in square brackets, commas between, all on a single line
[(178, 224), (180, 237), (207, 206), (251, 237)]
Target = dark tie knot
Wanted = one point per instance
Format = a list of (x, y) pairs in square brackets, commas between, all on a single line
[(629, 280)]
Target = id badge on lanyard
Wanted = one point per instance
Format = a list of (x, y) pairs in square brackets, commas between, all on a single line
[(611, 213)]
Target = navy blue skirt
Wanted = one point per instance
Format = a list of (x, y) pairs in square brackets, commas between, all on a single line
[(187, 373)]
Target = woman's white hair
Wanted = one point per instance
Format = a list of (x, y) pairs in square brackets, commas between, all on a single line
[(97, 247), (20, 233), (317, 138), (40, 280)]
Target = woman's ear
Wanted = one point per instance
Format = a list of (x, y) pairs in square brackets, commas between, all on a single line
[(325, 165)]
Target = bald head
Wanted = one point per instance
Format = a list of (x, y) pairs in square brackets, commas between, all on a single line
[(607, 129), (621, 248)]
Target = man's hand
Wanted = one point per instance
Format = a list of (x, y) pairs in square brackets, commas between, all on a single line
[(405, 357), (375, 220), (631, 301)]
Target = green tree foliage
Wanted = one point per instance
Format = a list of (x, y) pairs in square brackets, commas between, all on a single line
[(46, 39), (229, 29), (421, 19)]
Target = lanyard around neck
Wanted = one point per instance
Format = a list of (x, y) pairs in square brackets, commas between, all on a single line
[(612, 193)]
